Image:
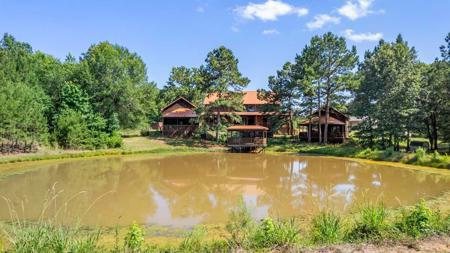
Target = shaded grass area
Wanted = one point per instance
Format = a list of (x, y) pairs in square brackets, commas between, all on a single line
[(371, 223), (420, 157), (132, 145)]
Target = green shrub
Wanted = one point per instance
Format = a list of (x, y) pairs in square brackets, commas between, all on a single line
[(193, 242), (420, 156), (275, 233), (421, 220), (436, 157), (240, 225), (145, 132), (371, 224), (115, 140), (134, 239), (366, 153), (326, 228), (47, 237)]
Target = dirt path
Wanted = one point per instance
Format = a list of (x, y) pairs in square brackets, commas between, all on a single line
[(433, 244)]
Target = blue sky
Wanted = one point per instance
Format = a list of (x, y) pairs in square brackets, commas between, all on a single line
[(263, 34)]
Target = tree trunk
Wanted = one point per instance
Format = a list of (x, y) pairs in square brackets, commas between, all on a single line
[(429, 135), (320, 114), (434, 131), (291, 124), (310, 123), (327, 115), (217, 126), (408, 139)]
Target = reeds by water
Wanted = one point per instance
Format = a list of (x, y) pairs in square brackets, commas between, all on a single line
[(372, 222)]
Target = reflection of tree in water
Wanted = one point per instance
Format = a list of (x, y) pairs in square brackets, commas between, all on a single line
[(207, 186)]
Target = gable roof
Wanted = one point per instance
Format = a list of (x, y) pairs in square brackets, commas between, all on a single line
[(332, 109), (250, 98), (176, 100), (180, 113)]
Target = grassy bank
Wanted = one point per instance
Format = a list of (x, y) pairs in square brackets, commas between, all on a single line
[(372, 223), (420, 157), (133, 145)]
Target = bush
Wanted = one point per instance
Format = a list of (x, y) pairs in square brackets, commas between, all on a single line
[(371, 224), (145, 132), (275, 233), (326, 228), (46, 237), (420, 156), (134, 239), (419, 221), (193, 242), (240, 225), (73, 131), (115, 140)]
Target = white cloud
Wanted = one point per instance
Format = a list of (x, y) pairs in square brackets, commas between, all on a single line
[(235, 29), (321, 20), (269, 11), (354, 9), (360, 37), (270, 32), (200, 9)]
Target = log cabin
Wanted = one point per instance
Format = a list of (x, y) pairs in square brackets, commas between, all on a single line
[(253, 113), (179, 118), (255, 126), (338, 126)]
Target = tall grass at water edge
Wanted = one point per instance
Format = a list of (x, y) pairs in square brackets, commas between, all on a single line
[(369, 224)]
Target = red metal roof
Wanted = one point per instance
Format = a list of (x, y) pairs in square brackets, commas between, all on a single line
[(247, 128), (176, 100), (180, 113), (250, 98), (247, 113), (331, 121)]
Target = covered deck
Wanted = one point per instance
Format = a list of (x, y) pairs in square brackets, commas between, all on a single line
[(247, 137), (337, 130), (179, 119)]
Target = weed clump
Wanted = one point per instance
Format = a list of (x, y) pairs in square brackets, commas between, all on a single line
[(134, 238), (419, 221), (326, 228), (371, 225), (275, 233)]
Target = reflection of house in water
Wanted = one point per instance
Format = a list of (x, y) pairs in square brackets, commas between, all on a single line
[(186, 190)]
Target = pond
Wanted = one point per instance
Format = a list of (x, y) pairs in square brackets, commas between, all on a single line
[(185, 190)]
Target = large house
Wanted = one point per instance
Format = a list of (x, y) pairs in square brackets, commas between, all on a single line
[(253, 113), (180, 118)]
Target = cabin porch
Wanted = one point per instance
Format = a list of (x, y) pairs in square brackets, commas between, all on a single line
[(178, 127), (336, 133), (247, 137)]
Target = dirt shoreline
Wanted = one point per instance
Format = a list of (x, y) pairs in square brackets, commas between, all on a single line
[(431, 244)]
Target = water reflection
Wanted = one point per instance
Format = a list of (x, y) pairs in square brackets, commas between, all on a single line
[(186, 190)]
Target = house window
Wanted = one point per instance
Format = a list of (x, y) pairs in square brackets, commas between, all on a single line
[(250, 108)]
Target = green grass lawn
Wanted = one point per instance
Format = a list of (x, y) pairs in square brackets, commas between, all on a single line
[(353, 150), (131, 145)]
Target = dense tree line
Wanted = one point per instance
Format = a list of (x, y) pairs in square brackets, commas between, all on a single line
[(71, 103), (395, 94), (83, 103), (218, 75)]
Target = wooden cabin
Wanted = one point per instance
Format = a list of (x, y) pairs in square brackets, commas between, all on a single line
[(179, 118), (253, 113), (247, 137), (338, 126)]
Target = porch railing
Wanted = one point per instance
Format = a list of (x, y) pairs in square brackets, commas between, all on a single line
[(178, 130), (248, 141)]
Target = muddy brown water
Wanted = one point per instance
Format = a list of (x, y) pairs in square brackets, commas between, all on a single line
[(186, 190)]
